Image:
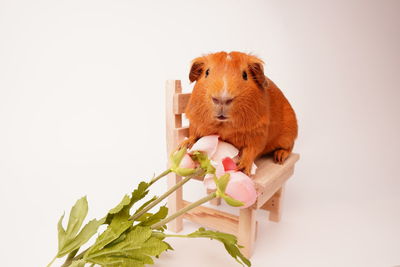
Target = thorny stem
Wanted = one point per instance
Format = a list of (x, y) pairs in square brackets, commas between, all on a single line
[(198, 172), (184, 210)]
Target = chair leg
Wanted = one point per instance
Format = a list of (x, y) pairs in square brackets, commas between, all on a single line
[(175, 203), (215, 201), (247, 231), (274, 205)]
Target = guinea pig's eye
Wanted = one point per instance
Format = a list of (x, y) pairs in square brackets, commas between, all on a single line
[(207, 72), (244, 75)]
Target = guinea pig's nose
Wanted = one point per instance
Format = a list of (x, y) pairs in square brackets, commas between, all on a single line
[(222, 100)]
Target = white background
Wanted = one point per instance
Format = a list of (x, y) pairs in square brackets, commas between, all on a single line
[(82, 113)]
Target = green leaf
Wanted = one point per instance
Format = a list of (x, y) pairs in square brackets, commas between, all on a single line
[(123, 208), (134, 250), (61, 232), (76, 242), (184, 171), (144, 217), (154, 247), (229, 241), (204, 162), (118, 220), (118, 240), (116, 228), (77, 215), (69, 239), (169, 246), (231, 201), (156, 217), (124, 202), (79, 263), (222, 182), (145, 204), (140, 192)]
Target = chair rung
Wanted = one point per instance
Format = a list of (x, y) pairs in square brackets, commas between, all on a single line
[(215, 219)]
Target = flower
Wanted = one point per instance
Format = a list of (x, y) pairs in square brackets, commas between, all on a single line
[(221, 154), (225, 150), (187, 162), (241, 187), (207, 144), (229, 164)]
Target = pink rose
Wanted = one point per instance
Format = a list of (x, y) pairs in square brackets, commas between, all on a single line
[(187, 162), (207, 144), (241, 187), (221, 154), (225, 150)]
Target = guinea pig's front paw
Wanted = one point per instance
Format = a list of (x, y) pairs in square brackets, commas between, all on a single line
[(245, 167), (281, 155), (188, 143)]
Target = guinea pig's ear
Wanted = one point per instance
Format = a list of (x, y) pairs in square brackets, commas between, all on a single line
[(196, 70), (257, 73)]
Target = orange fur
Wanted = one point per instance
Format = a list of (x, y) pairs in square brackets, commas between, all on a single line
[(259, 120)]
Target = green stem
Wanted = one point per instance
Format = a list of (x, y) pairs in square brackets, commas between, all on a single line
[(184, 210), (48, 265), (70, 258), (186, 236), (198, 172), (158, 200), (155, 179), (77, 257), (80, 255)]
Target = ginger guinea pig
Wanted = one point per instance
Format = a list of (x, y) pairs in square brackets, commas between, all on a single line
[(233, 98)]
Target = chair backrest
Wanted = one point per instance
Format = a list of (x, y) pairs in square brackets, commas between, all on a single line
[(175, 105)]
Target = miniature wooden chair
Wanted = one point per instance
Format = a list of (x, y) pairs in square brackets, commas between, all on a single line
[(269, 179)]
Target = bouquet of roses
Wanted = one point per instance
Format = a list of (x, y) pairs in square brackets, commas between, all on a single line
[(134, 238)]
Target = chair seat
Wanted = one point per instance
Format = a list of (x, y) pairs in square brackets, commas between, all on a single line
[(270, 176)]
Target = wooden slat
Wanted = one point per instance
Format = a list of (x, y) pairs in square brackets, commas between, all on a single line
[(272, 187), (274, 205), (173, 121), (180, 103), (181, 133), (215, 219), (216, 201)]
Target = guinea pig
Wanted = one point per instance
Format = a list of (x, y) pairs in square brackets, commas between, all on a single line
[(233, 98)]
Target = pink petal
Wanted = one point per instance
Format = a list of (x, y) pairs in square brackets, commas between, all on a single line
[(207, 144), (241, 187), (187, 162), (219, 168), (229, 164), (224, 150)]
